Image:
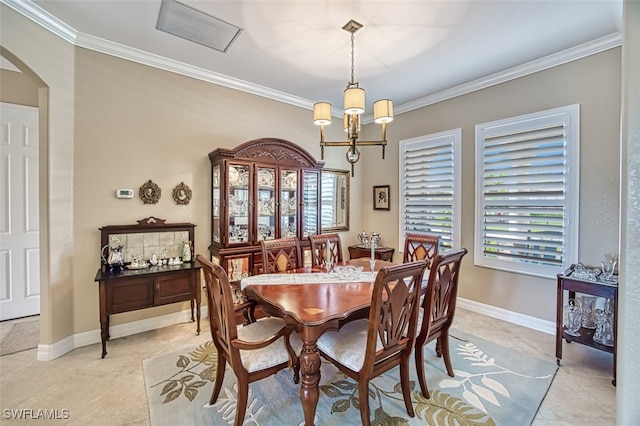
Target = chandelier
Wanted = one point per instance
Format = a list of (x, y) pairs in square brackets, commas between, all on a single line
[(353, 109)]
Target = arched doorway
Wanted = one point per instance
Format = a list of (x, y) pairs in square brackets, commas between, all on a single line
[(28, 195)]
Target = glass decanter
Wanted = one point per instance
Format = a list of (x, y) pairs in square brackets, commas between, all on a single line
[(572, 317)]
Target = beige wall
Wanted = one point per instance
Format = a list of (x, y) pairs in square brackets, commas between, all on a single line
[(50, 61), (135, 123), (594, 83), (116, 124), (16, 88)]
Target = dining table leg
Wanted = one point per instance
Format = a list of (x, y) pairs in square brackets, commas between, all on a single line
[(309, 390)]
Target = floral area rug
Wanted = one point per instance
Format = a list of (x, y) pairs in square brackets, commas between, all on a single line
[(493, 385)]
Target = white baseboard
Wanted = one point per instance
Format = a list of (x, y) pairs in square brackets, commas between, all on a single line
[(534, 323), (61, 347)]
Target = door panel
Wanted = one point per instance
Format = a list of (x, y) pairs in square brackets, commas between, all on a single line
[(19, 212)]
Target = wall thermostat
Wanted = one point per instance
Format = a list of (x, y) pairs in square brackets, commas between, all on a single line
[(124, 193)]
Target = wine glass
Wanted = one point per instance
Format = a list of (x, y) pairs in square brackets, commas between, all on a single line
[(608, 263), (572, 318)]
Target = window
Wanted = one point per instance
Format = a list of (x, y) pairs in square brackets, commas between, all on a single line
[(527, 192), (327, 200), (430, 187)]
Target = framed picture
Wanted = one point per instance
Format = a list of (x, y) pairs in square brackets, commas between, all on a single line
[(381, 197)]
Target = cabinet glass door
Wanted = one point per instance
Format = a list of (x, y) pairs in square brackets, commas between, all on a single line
[(310, 192), (216, 204), (288, 203), (266, 208), (238, 204)]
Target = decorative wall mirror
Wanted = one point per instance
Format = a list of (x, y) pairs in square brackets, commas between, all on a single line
[(335, 200)]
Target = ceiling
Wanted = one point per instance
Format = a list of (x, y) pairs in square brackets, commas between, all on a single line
[(296, 51)]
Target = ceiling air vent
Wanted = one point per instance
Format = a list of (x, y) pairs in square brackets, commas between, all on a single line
[(191, 24)]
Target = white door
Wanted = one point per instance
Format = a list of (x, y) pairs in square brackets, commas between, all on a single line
[(19, 226)]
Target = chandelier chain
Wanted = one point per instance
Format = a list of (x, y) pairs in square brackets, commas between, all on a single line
[(352, 58)]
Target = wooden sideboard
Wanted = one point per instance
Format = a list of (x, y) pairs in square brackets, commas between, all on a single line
[(127, 290), (382, 253)]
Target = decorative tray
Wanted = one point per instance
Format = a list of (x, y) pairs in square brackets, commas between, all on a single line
[(139, 266)]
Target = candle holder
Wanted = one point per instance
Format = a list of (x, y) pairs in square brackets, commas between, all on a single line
[(327, 257), (372, 262)]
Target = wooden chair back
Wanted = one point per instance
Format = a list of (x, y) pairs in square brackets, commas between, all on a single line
[(438, 309), (280, 255), (222, 316), (244, 349), (393, 316), (319, 249), (419, 247)]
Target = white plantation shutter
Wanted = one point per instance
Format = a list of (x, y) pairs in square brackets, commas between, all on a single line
[(429, 182), (526, 192), (327, 197)]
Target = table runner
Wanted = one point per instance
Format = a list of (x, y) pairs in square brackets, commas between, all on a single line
[(307, 278)]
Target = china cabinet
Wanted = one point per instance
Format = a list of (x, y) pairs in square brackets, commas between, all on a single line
[(261, 190), (570, 283)]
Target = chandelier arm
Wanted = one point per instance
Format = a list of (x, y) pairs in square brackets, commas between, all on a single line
[(336, 143)]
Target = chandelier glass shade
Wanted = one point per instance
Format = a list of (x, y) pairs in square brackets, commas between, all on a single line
[(354, 107)]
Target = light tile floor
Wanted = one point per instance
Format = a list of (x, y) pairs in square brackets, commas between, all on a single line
[(111, 391)]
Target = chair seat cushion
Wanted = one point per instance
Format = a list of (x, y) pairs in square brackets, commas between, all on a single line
[(348, 345), (274, 354)]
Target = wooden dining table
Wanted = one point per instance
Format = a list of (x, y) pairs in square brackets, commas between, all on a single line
[(314, 307)]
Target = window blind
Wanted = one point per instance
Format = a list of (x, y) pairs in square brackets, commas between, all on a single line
[(524, 188), (428, 187), (328, 195)]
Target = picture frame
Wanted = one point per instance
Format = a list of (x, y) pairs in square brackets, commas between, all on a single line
[(182, 194), (149, 192), (381, 197)]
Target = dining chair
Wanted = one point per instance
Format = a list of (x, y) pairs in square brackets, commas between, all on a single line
[(319, 249), (280, 255), (419, 247), (438, 308), (365, 348), (254, 351)]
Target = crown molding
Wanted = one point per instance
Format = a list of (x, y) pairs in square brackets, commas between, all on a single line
[(43, 18), (145, 58), (574, 53), (59, 28)]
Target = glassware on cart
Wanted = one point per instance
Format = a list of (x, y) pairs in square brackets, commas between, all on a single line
[(587, 304), (572, 318), (604, 325), (581, 272), (608, 263)]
